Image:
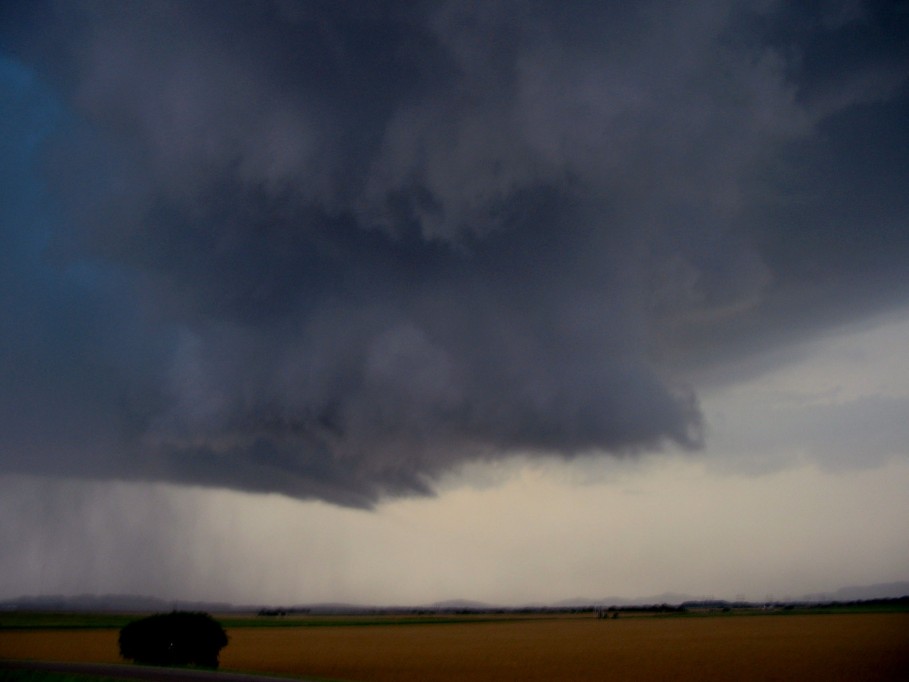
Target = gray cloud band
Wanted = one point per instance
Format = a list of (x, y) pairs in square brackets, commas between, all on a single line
[(335, 251)]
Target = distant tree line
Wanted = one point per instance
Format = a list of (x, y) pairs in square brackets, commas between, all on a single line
[(272, 612)]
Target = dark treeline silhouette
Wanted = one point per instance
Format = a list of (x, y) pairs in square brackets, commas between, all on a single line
[(899, 603), (174, 639)]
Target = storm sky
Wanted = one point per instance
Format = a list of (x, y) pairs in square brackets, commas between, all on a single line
[(499, 300)]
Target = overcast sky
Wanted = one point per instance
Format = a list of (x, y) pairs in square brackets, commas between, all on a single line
[(396, 302)]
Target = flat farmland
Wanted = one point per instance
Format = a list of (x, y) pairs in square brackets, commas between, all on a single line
[(849, 646)]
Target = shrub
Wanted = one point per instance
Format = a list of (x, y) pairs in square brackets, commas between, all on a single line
[(177, 638)]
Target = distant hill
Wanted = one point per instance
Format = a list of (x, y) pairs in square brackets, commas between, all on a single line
[(845, 594), (861, 592), (327, 607), (142, 604), (664, 598), (460, 604)]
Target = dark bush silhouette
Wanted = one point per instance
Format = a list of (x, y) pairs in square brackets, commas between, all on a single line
[(177, 638)]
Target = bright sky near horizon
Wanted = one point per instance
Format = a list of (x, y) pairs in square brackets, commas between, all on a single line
[(395, 303)]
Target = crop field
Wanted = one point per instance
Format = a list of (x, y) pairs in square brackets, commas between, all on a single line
[(846, 646)]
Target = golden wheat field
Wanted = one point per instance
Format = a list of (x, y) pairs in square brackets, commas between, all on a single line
[(850, 647)]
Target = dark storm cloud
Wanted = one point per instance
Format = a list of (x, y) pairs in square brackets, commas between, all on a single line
[(334, 249)]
